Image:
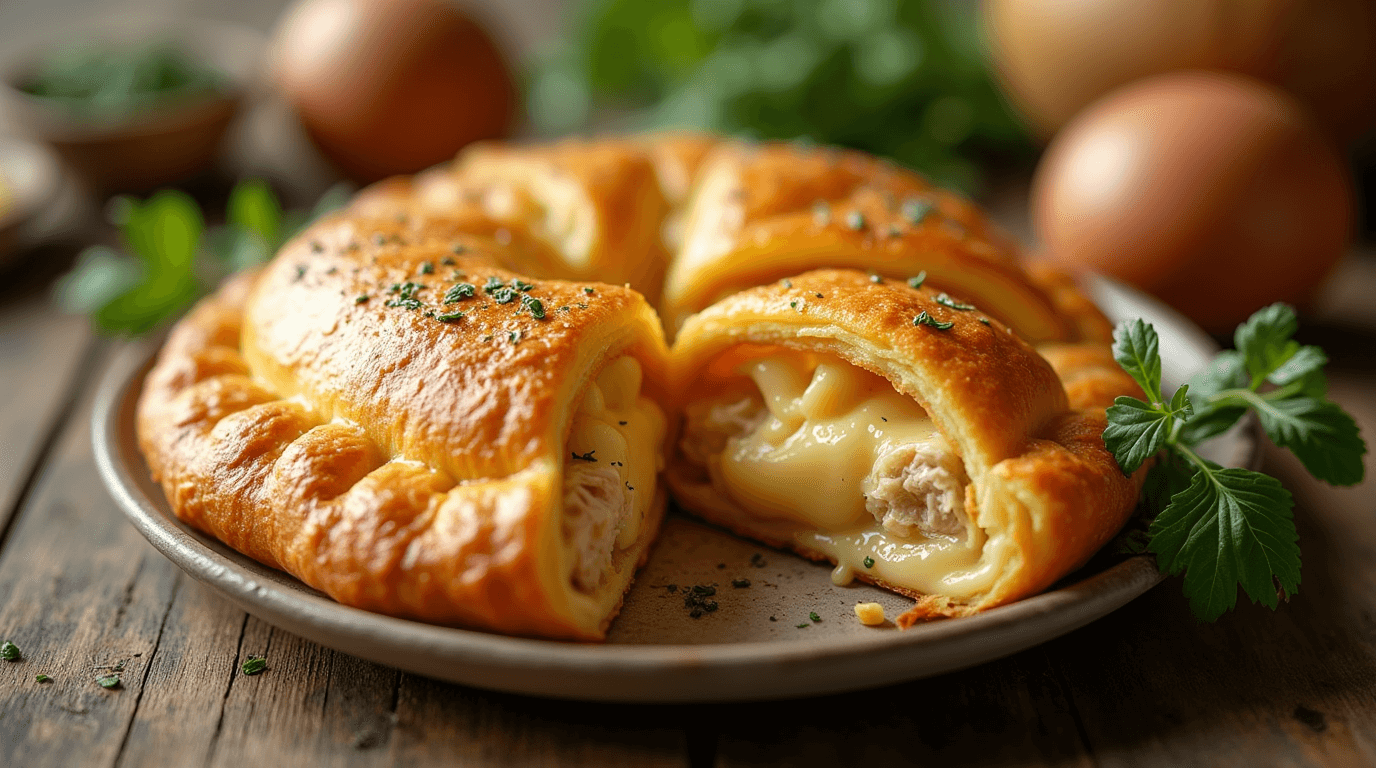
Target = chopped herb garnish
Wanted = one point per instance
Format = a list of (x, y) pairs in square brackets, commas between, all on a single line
[(708, 591), (108, 681), (925, 319), (916, 282), (876, 279), (622, 423), (740, 583), (788, 283), (9, 651), (458, 248), (815, 618), (42, 679), (581, 305), (460, 292), (855, 220), (360, 299), (300, 272), (946, 301), (427, 268), (317, 246), (984, 320), (492, 284), (821, 213), (586, 456), (536, 307), (915, 210), (448, 261), (504, 295), (564, 308), (379, 239), (588, 289), (513, 336), (802, 626), (521, 286), (629, 487), (792, 305), (449, 317), (869, 562), (488, 337), (894, 231), (254, 665)]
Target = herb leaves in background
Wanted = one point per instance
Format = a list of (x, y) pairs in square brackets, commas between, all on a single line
[(906, 80), (1226, 527), (170, 258)]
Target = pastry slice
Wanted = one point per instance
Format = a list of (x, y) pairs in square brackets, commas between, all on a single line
[(761, 212), (400, 423), (917, 445)]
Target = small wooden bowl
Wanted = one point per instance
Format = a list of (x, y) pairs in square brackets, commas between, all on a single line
[(164, 145)]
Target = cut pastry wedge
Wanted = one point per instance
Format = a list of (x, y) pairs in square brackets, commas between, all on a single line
[(912, 443), (407, 427)]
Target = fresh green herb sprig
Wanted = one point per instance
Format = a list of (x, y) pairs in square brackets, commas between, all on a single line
[(170, 258), (1228, 527), (10, 652)]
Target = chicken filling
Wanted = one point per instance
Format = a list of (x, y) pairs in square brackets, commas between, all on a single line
[(611, 462)]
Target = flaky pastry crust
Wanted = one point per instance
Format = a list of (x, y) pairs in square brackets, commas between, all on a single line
[(1044, 488)]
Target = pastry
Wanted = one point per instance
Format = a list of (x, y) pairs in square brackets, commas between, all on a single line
[(909, 438), (337, 418)]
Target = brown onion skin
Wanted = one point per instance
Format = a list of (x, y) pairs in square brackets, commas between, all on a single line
[(1215, 192), (386, 87)]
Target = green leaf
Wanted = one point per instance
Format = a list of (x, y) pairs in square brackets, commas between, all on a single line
[(1226, 371), (1304, 362), (99, 276), (1208, 421), (1136, 348), (1230, 527), (1136, 431), (1264, 340), (254, 207), (165, 232), (1323, 436)]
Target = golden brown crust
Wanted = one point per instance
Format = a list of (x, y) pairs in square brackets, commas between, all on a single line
[(765, 211), (397, 462), (1045, 490)]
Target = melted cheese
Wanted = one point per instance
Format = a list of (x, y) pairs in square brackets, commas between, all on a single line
[(801, 468), (618, 428)]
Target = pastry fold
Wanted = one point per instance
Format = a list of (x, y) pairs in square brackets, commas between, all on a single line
[(835, 413), (337, 417), (763, 211)]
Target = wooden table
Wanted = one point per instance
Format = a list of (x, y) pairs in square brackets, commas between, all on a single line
[(80, 592)]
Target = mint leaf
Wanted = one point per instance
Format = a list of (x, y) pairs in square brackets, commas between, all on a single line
[(1230, 527), (1306, 361), (1264, 340), (1136, 348), (1324, 438)]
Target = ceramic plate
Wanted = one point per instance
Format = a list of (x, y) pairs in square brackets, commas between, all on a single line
[(752, 647)]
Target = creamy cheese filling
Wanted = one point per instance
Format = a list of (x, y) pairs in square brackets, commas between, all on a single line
[(611, 461), (834, 458)]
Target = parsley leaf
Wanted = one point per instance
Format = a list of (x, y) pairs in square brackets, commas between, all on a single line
[(1136, 431), (1229, 527), (1264, 340), (1136, 348), (1321, 435)]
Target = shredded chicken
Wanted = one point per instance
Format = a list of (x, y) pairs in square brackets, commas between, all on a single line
[(707, 428), (595, 507), (918, 489)]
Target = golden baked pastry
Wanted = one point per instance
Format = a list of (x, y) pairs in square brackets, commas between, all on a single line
[(906, 436), (488, 456), (336, 418)]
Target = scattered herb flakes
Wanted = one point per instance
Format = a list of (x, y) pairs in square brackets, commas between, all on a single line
[(818, 295), (254, 665), (504, 295), (629, 487), (42, 679), (460, 292), (758, 560), (458, 248), (876, 279), (406, 295), (361, 298), (536, 307), (448, 261), (916, 282), (300, 272), (740, 583), (487, 338), (622, 423), (581, 305), (492, 284), (814, 617), (788, 283), (10, 652), (317, 246), (984, 320), (379, 239), (792, 305), (705, 590), (868, 561), (895, 231), (916, 209), (564, 308), (108, 682), (695, 600), (946, 301), (855, 220), (521, 285), (586, 456), (773, 618), (804, 625), (821, 213), (589, 290), (925, 319), (449, 317), (513, 336), (427, 267)]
